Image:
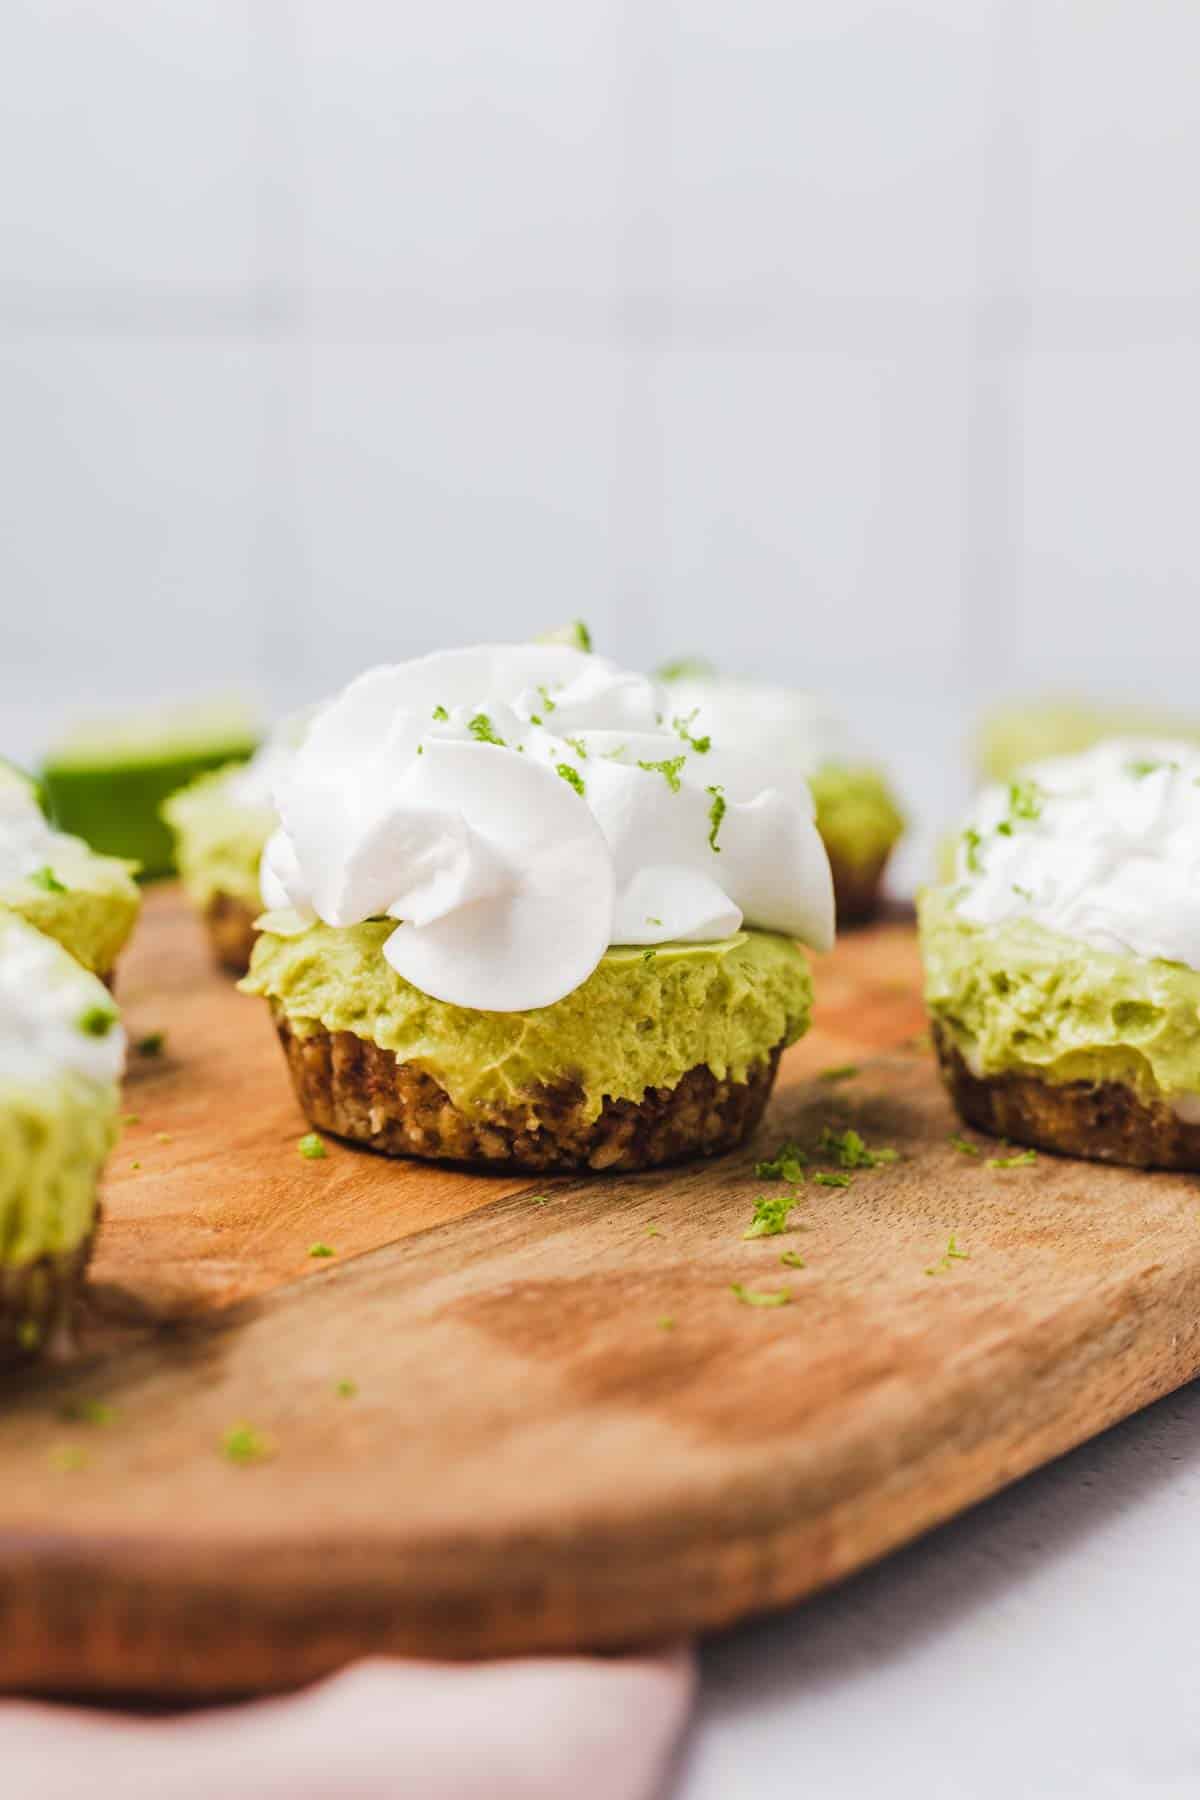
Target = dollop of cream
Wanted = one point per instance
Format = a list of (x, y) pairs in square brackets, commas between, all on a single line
[(518, 808), (55, 1018), (252, 784), (1103, 847), (797, 732)]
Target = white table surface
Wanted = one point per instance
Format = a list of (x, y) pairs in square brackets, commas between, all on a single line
[(1045, 1644)]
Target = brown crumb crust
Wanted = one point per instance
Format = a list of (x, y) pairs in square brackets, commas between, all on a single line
[(231, 931), (857, 887), (1105, 1121), (354, 1089), (38, 1300)]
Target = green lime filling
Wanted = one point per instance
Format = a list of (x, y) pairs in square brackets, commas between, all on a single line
[(54, 1137), (89, 904), (1018, 998), (219, 841), (857, 814), (637, 1022)]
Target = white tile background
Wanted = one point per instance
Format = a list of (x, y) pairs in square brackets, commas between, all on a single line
[(855, 342)]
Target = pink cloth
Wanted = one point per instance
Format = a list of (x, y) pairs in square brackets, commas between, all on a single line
[(563, 1729)]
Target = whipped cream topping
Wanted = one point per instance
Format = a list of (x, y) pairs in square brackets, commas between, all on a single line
[(518, 808), (28, 842), (252, 784), (797, 732), (55, 1018), (1103, 847)]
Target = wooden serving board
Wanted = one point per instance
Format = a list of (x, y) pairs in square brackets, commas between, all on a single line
[(531, 1459)]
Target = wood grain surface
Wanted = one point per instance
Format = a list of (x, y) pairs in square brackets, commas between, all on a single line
[(565, 1429)]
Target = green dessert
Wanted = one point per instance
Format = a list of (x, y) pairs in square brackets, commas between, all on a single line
[(550, 1087), (1062, 962), (517, 918), (1011, 736), (221, 823), (61, 1053), (89, 903), (797, 736), (107, 781), (861, 823)]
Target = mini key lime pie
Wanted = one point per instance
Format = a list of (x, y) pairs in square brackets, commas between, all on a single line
[(89, 903), (61, 1054), (221, 823), (518, 918), (1063, 962), (856, 810)]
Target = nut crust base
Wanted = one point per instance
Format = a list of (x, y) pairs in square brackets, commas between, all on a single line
[(354, 1089), (1103, 1121), (231, 931), (857, 887), (37, 1303)]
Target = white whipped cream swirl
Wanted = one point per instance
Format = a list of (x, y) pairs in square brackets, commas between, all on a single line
[(519, 808), (797, 731), (1103, 847), (28, 842), (55, 1018)]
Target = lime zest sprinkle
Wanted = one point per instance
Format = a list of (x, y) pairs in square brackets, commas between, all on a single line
[(683, 668), (578, 746), (788, 1164), (484, 732), (131, 1118), (754, 1297), (1018, 1161), (667, 1322), (572, 777), (950, 1255), (539, 1199), (792, 1259), (68, 1459), (971, 842), (851, 1152), (549, 704), (1141, 766), (651, 920), (653, 1231), (683, 728), (843, 1072), (440, 713), (668, 768), (312, 1146), (97, 1021), (832, 1178), (86, 1411), (244, 1444), (1025, 799), (153, 1044), (649, 953), (771, 1215), (963, 1144), (163, 1137), (47, 879), (321, 1250), (345, 1389), (716, 813)]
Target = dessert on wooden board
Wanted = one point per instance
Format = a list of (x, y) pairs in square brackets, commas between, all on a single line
[(519, 913), (1063, 960), (61, 1055), (89, 903), (220, 823), (857, 813)]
